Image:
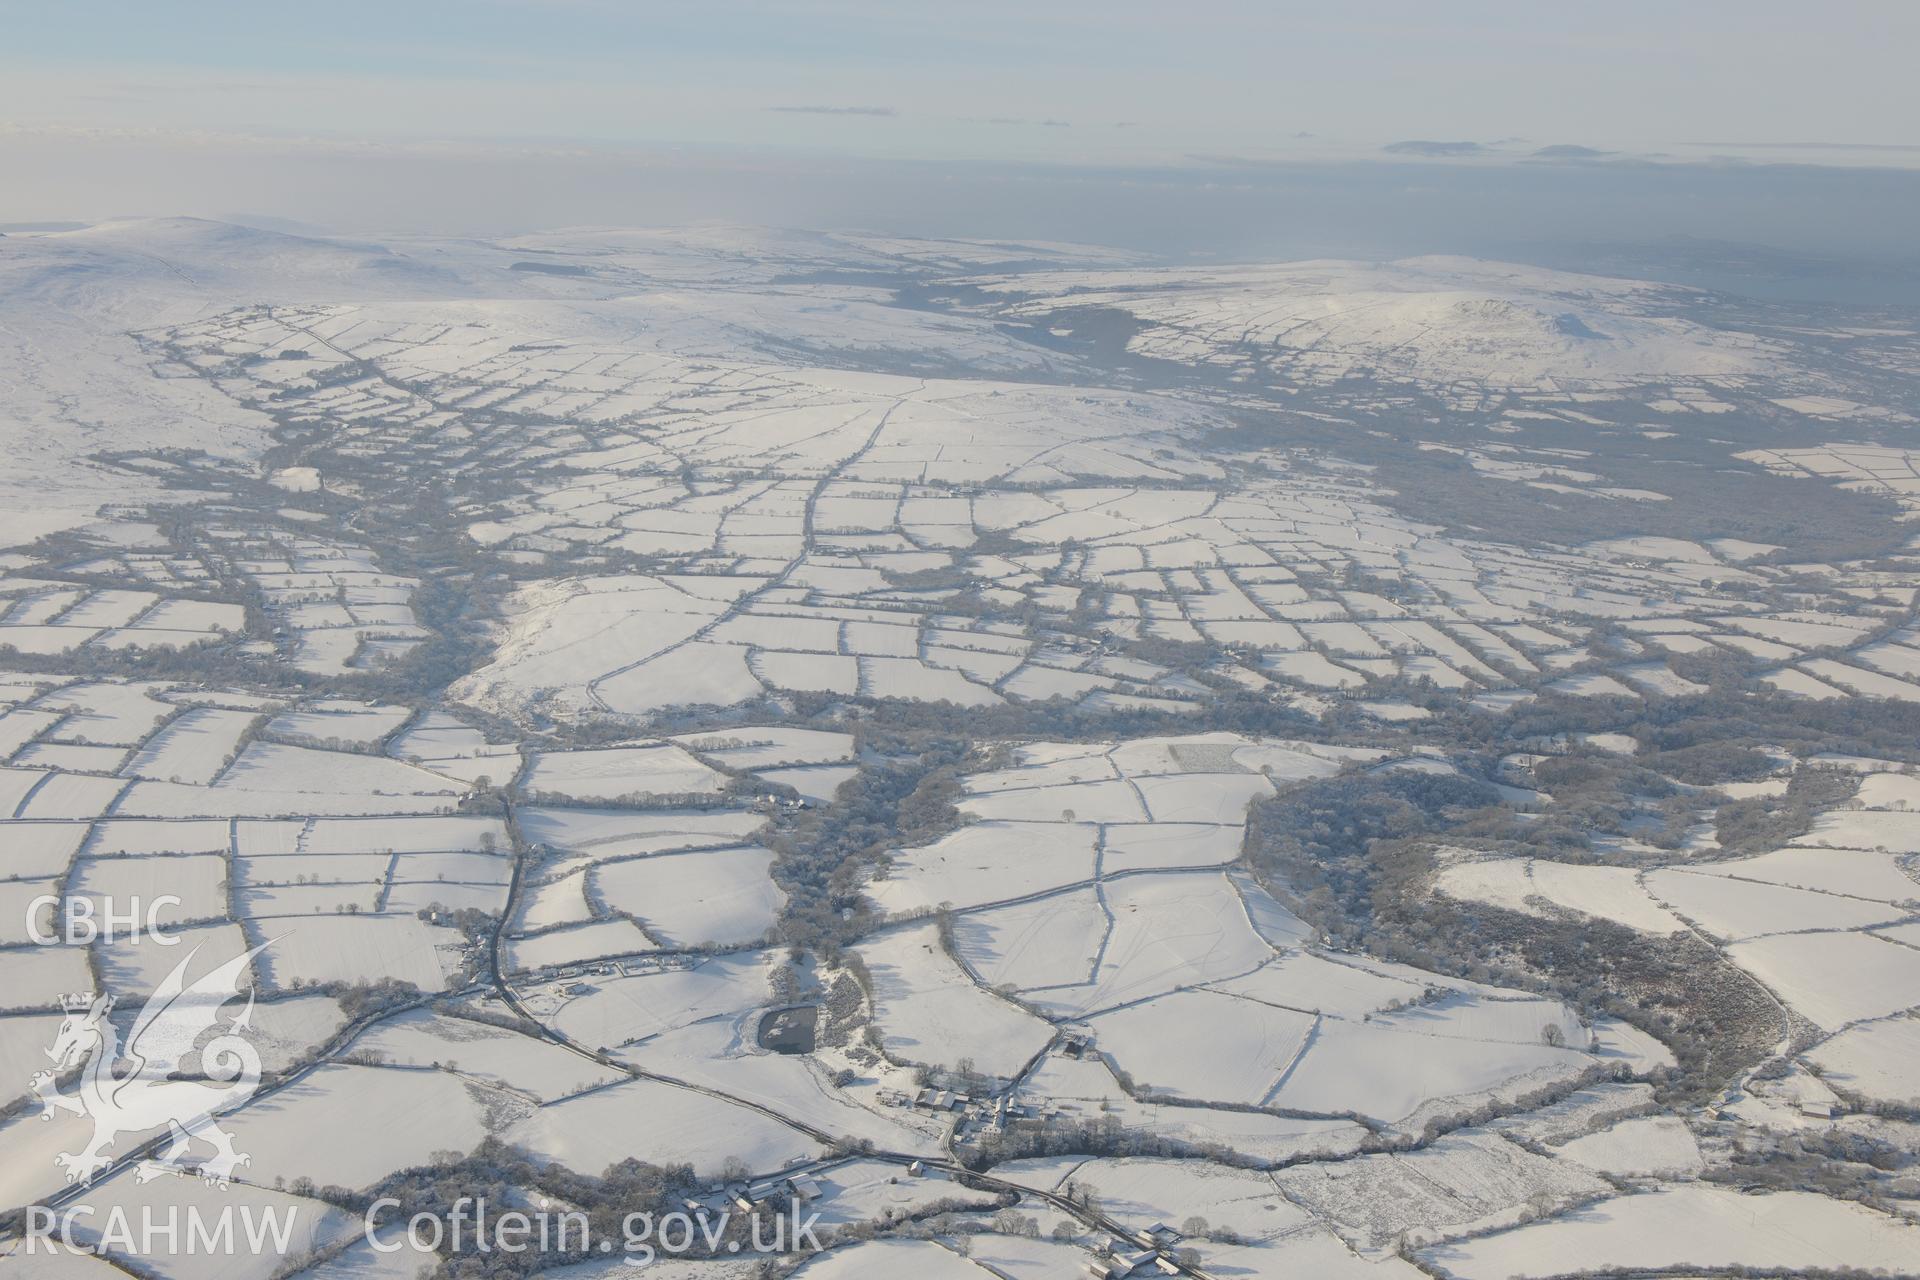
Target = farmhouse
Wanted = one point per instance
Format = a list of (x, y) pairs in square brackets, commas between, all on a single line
[(1124, 1262)]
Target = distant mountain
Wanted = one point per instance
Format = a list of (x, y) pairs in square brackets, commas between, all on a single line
[(1421, 147), (1570, 151)]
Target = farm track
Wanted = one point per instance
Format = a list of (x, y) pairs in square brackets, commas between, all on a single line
[(328, 1054)]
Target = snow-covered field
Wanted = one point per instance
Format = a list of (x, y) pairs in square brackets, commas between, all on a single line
[(671, 1125), (1698, 1226), (929, 1011)]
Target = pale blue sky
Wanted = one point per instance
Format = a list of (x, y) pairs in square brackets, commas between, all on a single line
[(1122, 80)]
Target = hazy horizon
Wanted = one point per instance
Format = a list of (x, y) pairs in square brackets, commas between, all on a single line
[(1241, 132), (1074, 83)]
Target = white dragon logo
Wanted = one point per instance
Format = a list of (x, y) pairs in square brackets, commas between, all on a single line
[(165, 1037)]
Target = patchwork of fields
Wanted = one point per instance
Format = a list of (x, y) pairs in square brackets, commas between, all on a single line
[(1049, 760)]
